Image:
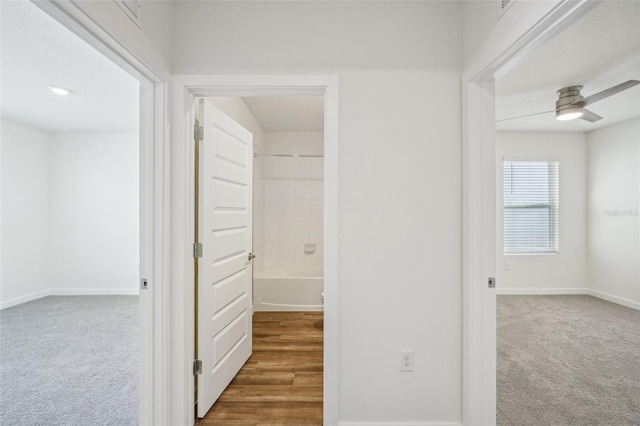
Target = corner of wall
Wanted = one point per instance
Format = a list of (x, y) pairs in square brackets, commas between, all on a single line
[(613, 202), (25, 212)]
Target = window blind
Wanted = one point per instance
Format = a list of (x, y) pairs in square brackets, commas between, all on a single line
[(531, 206)]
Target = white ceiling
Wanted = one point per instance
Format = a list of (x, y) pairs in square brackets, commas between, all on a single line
[(288, 114), (36, 51), (601, 50)]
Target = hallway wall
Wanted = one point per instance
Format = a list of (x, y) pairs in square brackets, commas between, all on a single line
[(399, 172)]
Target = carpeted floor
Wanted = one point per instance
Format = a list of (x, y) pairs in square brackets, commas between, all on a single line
[(70, 360), (567, 360)]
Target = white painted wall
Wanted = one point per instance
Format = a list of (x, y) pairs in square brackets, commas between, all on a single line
[(566, 271), (157, 25), (311, 143), (70, 214), (24, 228), (152, 43), (294, 200), (95, 213), (400, 179), (316, 36), (599, 219), (613, 212), (479, 18)]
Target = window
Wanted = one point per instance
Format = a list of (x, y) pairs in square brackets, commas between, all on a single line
[(531, 213)]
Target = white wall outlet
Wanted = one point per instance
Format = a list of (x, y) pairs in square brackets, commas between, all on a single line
[(406, 360), (507, 266)]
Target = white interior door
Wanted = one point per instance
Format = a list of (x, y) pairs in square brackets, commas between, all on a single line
[(224, 270)]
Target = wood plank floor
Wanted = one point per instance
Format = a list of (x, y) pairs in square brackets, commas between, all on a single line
[(281, 383)]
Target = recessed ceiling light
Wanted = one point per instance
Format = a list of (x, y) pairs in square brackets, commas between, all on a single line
[(61, 91)]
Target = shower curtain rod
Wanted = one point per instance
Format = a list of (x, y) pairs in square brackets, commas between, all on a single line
[(289, 155)]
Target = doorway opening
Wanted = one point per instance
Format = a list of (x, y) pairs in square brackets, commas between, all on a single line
[(479, 189), (283, 375), (96, 227), (71, 227), (186, 89), (559, 295)]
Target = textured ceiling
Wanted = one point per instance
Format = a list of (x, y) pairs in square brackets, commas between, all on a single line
[(36, 51), (601, 50), (288, 114)]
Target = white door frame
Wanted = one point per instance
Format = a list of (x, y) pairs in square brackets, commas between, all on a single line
[(154, 197), (531, 26), (185, 89)]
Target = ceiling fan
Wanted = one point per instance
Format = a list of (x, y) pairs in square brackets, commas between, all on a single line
[(571, 104)]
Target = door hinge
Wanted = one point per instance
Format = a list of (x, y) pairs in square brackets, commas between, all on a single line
[(197, 367), (144, 283), (492, 282), (197, 250), (198, 133)]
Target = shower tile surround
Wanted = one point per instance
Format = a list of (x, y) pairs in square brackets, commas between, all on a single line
[(293, 212)]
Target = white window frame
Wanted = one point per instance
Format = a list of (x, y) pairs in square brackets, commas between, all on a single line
[(552, 204)]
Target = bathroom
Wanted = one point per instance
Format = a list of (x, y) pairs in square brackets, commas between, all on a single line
[(288, 190), (288, 228), (286, 330)]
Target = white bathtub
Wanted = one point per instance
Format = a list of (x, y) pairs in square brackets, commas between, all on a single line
[(287, 290)]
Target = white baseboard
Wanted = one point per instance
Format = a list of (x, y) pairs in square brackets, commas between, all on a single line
[(615, 299), (24, 299), (557, 291), (397, 424), (540, 291), (70, 292), (95, 292)]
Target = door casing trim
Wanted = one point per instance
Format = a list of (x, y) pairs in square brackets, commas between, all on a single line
[(185, 89), (154, 199), (537, 22)]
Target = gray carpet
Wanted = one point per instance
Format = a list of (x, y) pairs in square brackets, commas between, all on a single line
[(70, 360), (567, 360)]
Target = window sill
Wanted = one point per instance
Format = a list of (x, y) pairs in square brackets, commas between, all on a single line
[(538, 253)]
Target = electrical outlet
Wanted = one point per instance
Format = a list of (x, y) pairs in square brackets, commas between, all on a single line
[(406, 360), (507, 266)]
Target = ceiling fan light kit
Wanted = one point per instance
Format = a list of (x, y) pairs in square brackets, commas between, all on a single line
[(569, 113), (569, 104)]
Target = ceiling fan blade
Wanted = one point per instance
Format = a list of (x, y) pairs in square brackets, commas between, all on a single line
[(608, 92), (589, 116), (524, 116)]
